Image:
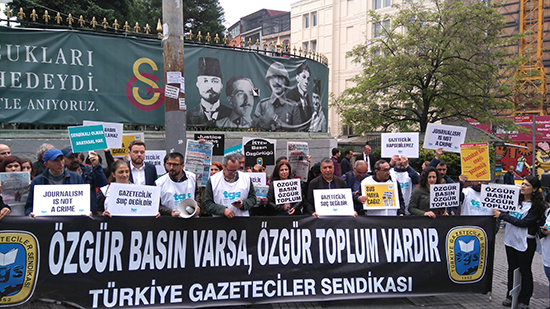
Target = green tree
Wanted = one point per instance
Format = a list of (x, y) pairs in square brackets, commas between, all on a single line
[(203, 15), (445, 60)]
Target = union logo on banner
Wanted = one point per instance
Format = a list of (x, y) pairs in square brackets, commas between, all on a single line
[(466, 254), (18, 267)]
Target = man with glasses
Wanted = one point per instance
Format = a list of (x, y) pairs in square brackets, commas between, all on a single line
[(382, 175), (407, 177), (353, 181), (177, 185), (231, 192)]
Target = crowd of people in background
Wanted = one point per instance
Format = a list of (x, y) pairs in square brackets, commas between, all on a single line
[(523, 227)]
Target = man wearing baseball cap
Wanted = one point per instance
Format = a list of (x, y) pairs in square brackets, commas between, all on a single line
[(54, 174)]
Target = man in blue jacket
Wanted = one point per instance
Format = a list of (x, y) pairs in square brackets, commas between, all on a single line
[(92, 175), (54, 174)]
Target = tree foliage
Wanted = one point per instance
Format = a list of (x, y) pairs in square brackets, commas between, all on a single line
[(203, 15), (437, 61)]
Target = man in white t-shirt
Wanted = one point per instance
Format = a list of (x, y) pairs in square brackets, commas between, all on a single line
[(231, 192), (177, 185), (382, 175), (471, 205), (407, 177)]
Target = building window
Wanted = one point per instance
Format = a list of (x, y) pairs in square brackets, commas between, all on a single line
[(305, 47), (380, 28), (314, 46), (378, 4), (314, 19), (306, 21)]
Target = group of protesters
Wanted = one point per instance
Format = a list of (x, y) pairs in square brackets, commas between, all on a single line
[(230, 191)]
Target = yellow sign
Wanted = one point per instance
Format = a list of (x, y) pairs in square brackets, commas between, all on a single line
[(474, 159), (126, 140), (380, 196)]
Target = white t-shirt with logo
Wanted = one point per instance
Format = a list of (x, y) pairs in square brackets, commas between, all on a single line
[(225, 193), (381, 212), (471, 206), (406, 184), (172, 193), (515, 236)]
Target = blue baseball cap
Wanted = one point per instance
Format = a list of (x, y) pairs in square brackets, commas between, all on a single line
[(52, 154), (67, 151)]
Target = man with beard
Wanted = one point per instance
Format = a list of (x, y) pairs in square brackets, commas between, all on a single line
[(382, 175), (406, 176), (240, 94), (92, 175), (318, 119), (210, 84), (299, 94), (141, 173), (353, 181), (177, 185), (471, 206)]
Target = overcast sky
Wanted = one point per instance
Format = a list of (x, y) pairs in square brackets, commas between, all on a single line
[(235, 9)]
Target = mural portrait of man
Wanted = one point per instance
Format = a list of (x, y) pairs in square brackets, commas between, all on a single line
[(318, 119), (300, 95), (240, 94)]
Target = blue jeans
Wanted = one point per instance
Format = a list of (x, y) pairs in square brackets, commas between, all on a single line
[(547, 271)]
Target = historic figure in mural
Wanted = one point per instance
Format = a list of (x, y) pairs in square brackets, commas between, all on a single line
[(277, 112), (318, 120), (240, 94), (210, 85), (300, 95)]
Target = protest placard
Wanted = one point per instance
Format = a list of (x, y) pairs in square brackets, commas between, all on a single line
[(127, 138), (15, 190), (198, 158), (259, 151), (474, 159), (258, 179), (156, 157), (233, 150), (113, 132), (261, 191), (87, 138), (297, 158), (217, 140), (333, 202), (444, 136), (380, 196), (287, 191), (61, 200), (501, 197), (132, 200), (403, 144), (445, 195)]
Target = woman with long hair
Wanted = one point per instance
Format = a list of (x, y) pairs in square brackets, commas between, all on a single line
[(282, 171), (10, 164), (120, 170), (420, 198), (26, 166), (520, 238)]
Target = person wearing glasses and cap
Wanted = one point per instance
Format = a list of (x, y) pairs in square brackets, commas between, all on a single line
[(229, 193), (210, 85)]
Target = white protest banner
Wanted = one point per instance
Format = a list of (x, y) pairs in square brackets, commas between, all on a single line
[(61, 200), (287, 191), (380, 195), (403, 144), (443, 136), (445, 195), (133, 200), (501, 197), (156, 157), (333, 202), (258, 179), (113, 132)]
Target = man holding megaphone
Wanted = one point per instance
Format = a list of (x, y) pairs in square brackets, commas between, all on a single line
[(178, 188)]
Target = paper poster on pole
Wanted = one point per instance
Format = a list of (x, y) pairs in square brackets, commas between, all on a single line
[(333, 202), (287, 191), (132, 200), (198, 159), (258, 179), (444, 136), (501, 197), (113, 132), (15, 190), (445, 195), (156, 157), (297, 153), (380, 196), (403, 144), (61, 200), (127, 138), (87, 138), (474, 159)]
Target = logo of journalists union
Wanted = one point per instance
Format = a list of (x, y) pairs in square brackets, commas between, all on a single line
[(18, 267), (155, 94), (466, 254)]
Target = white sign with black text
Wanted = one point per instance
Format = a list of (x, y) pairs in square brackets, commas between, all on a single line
[(445, 195), (333, 202), (133, 200), (501, 197), (287, 191), (258, 179), (61, 200), (444, 136), (402, 144)]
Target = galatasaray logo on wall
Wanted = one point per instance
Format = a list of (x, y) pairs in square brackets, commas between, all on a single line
[(466, 254), (155, 95), (18, 267)]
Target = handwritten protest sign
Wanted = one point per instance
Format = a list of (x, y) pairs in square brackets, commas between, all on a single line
[(444, 136), (399, 144), (287, 191), (445, 195), (61, 200), (133, 200), (113, 132), (501, 197), (474, 160), (156, 157), (127, 138), (87, 138), (258, 179), (333, 202), (380, 196)]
